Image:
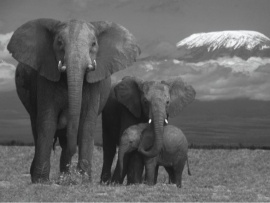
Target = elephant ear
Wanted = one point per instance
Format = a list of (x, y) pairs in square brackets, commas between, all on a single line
[(128, 93), (181, 95), (32, 44), (117, 50)]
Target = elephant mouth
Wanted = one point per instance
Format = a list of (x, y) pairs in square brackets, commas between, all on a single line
[(90, 67), (61, 67), (166, 122)]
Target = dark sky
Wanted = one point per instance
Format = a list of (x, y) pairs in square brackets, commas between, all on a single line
[(165, 20), (159, 25)]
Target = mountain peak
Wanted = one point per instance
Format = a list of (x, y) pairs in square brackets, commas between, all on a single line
[(241, 43), (229, 39)]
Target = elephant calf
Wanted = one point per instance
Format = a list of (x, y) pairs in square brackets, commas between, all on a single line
[(173, 155)]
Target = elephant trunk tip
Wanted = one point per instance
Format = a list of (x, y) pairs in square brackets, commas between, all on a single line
[(154, 152)]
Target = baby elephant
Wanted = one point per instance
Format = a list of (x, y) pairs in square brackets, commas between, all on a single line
[(173, 155)]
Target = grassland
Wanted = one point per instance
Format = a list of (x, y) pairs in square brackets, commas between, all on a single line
[(217, 175)]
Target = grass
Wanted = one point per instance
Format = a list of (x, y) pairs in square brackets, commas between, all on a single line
[(217, 175)]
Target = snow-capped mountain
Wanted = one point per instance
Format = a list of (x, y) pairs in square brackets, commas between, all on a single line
[(212, 45)]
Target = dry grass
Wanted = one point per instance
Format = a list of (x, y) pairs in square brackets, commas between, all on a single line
[(217, 175)]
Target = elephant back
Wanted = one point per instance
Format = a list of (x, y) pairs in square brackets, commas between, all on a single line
[(174, 140)]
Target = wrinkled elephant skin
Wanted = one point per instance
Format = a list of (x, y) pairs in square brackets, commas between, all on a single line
[(134, 101), (63, 80), (173, 155)]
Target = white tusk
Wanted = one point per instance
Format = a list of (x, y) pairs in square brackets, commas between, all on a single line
[(63, 68), (166, 121), (149, 121), (95, 63), (90, 67), (59, 64)]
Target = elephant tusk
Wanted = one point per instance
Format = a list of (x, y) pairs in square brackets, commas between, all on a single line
[(149, 121), (90, 67), (166, 121), (59, 65), (95, 63), (63, 68)]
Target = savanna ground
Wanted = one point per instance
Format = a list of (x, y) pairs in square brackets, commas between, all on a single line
[(217, 175)]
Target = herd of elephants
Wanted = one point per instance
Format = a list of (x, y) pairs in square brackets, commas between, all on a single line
[(63, 80)]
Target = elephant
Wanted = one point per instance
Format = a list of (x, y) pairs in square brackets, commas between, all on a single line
[(132, 101), (63, 81), (172, 156)]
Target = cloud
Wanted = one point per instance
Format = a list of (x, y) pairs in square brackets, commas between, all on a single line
[(237, 64), (81, 3), (175, 6), (7, 73), (212, 80), (4, 39), (158, 49)]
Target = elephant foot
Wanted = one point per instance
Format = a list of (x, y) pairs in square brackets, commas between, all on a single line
[(43, 179), (40, 174), (73, 178), (64, 168), (105, 178), (84, 168), (116, 179)]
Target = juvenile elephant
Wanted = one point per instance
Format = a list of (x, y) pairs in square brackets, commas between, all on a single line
[(172, 156), (63, 81), (134, 101)]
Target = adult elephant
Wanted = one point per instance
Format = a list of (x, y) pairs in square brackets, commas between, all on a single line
[(63, 80), (134, 101)]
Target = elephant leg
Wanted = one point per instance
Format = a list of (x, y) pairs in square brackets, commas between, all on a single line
[(34, 132), (109, 151), (46, 127), (171, 175), (135, 168), (150, 167), (65, 159), (178, 170), (156, 174), (118, 175)]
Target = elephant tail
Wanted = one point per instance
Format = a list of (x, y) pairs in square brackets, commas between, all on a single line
[(189, 173)]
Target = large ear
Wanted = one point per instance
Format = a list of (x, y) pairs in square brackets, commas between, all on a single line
[(32, 44), (128, 93), (117, 50), (181, 95)]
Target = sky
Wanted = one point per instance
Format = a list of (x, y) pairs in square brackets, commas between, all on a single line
[(158, 25)]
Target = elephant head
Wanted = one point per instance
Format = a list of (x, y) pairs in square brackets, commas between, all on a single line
[(156, 100), (129, 142), (83, 51)]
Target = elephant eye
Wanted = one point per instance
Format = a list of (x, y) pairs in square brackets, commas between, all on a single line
[(167, 102), (60, 42), (145, 101), (94, 44)]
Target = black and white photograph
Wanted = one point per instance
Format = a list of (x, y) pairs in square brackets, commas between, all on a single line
[(135, 101)]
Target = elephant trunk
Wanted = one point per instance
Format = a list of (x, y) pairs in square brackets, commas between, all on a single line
[(75, 76), (123, 150), (158, 128)]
